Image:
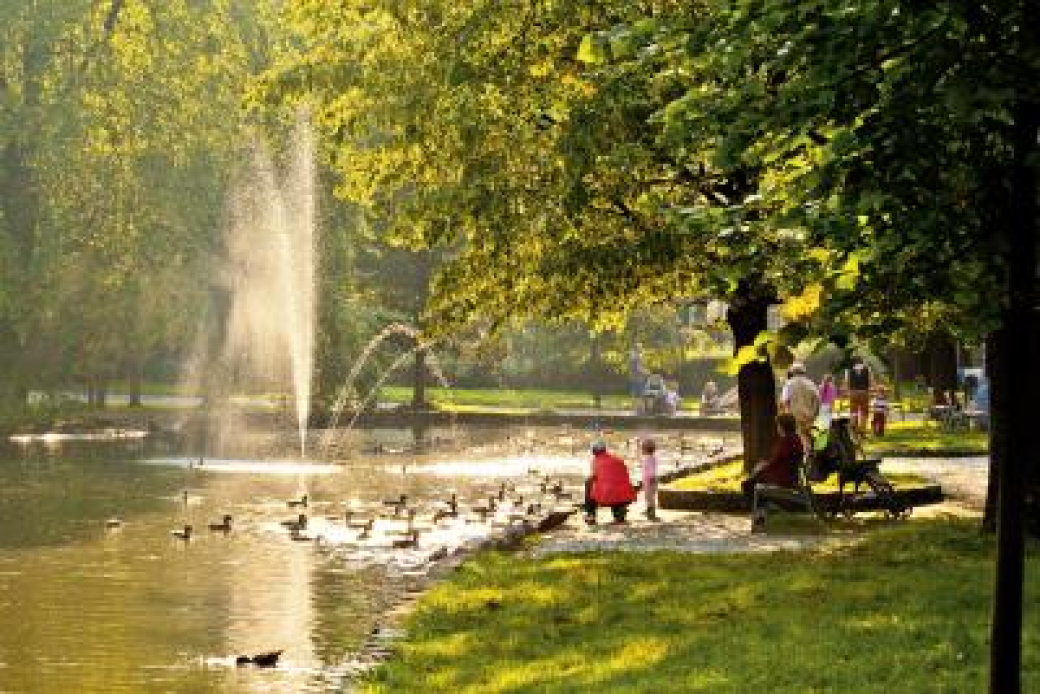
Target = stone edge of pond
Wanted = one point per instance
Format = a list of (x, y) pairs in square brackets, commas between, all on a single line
[(736, 502)]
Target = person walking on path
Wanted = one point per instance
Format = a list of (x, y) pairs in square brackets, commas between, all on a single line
[(608, 485), (858, 380), (828, 394), (648, 449), (803, 402)]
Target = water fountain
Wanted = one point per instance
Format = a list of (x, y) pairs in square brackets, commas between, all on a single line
[(262, 333), (347, 391)]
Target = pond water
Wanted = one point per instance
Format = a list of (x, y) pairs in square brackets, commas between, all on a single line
[(89, 608)]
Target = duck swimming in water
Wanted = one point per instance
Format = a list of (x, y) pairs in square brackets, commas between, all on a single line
[(269, 659), (223, 527), (299, 524), (410, 542), (183, 534), (298, 503)]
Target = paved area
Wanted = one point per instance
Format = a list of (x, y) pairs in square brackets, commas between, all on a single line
[(963, 479)]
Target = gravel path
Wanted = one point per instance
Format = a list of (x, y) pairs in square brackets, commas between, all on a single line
[(963, 479)]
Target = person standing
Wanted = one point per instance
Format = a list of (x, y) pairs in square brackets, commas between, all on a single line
[(828, 394), (648, 448), (879, 412), (636, 377), (609, 485), (858, 381), (802, 401)]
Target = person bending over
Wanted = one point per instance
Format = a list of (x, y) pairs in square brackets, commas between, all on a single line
[(609, 485)]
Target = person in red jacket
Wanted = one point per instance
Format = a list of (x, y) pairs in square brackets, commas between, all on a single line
[(609, 485)]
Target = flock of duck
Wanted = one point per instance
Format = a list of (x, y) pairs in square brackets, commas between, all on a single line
[(536, 503)]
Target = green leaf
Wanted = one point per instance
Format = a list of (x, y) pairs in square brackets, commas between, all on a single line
[(592, 50)]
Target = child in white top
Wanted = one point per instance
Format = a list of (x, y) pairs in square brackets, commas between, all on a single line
[(648, 449)]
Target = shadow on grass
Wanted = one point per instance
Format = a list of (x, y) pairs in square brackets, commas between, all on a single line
[(904, 610)]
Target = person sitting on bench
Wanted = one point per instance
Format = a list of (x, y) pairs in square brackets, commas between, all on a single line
[(781, 469)]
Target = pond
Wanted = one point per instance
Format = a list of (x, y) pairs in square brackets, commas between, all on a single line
[(85, 607)]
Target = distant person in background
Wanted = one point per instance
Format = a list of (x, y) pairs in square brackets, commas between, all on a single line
[(879, 411), (648, 458), (982, 403), (828, 395), (858, 382), (671, 398), (636, 377), (710, 398), (654, 393), (802, 402)]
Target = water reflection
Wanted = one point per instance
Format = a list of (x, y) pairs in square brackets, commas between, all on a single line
[(89, 608)]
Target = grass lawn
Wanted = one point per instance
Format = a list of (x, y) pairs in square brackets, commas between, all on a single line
[(905, 610), (468, 399), (727, 478), (916, 436)]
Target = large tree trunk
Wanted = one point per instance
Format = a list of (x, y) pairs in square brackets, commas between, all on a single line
[(419, 380), (941, 360), (997, 373), (756, 386), (1018, 351)]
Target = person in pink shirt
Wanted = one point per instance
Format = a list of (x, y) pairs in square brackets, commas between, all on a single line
[(828, 394), (648, 449)]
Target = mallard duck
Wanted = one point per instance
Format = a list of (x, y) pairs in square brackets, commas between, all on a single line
[(410, 542), (222, 527), (298, 503), (182, 534), (269, 659), (299, 524)]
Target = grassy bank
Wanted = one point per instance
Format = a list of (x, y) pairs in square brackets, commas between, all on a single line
[(879, 616), (519, 400), (904, 438), (727, 478)]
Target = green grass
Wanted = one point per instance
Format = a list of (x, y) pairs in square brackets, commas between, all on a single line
[(905, 610), (916, 436), (521, 401), (727, 478)]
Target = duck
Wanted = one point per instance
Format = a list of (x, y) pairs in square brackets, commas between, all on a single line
[(298, 535), (368, 523), (224, 526), (182, 534), (410, 542), (397, 504), (113, 523), (268, 659), (409, 525), (298, 503), (299, 524), (554, 520)]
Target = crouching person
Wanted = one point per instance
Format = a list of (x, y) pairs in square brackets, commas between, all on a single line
[(609, 485), (781, 469)]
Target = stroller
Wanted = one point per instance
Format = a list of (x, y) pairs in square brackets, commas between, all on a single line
[(835, 450)]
